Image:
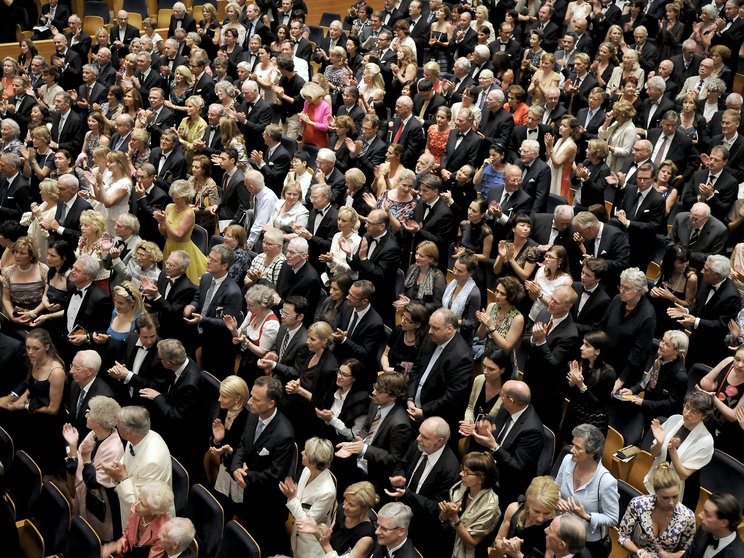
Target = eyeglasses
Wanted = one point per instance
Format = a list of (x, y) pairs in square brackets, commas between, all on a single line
[(287, 314), (343, 374)]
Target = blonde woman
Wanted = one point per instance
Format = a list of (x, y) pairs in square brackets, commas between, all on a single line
[(193, 127), (620, 135), (144, 262), (233, 137), (92, 228), (182, 85), (543, 79), (113, 195), (481, 18), (127, 308), (348, 227), (176, 223), (232, 18), (316, 114), (372, 87), (629, 66), (47, 210)]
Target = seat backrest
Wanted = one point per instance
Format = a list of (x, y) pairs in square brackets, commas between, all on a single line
[(200, 238), (627, 493), (209, 387), (613, 443), (545, 460), (91, 24), (208, 517), (642, 463), (138, 7), (558, 460), (236, 541), (7, 448), (82, 541), (328, 17), (180, 486), (52, 515), (95, 8), (164, 15), (718, 475), (24, 483)]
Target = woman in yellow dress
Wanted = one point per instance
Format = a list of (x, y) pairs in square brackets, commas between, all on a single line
[(176, 223), (192, 128)]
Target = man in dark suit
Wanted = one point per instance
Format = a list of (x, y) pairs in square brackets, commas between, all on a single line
[(336, 38), (359, 330), (592, 300), (604, 14), (441, 378), (137, 365), (351, 108), (15, 191), (261, 461), (505, 202), (88, 310), (322, 224), (106, 71), (717, 301), (426, 103), (158, 117), (298, 277), (432, 218), (715, 186), (69, 63), (176, 537), (535, 177), (289, 352), (565, 537), (462, 145), (452, 89), (203, 82), (123, 124), (377, 261), (384, 438), (408, 132), (465, 38), (670, 143), (641, 214), (554, 110), (729, 30), (66, 222), (79, 42), (554, 342), (653, 107), (392, 532), (686, 64), (390, 14), (218, 296), (533, 130), (180, 19), (122, 34), (274, 162), (85, 385), (369, 150), (255, 26), (550, 31), (496, 123), (421, 483), (67, 126), (54, 15), (168, 160), (648, 55), (700, 232), (20, 104), (91, 92), (146, 79), (578, 85), (170, 60), (177, 413), (420, 29), (603, 241), (515, 442), (505, 42), (719, 519), (146, 199), (234, 199), (590, 120), (253, 116), (211, 142), (730, 123)]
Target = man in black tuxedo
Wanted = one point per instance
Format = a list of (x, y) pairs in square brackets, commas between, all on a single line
[(54, 15), (732, 140), (590, 120), (106, 71), (648, 55), (322, 224), (384, 438), (452, 89), (91, 92), (441, 377), (358, 329), (515, 442), (715, 186), (66, 222), (326, 162), (592, 300), (534, 129), (719, 519), (670, 143), (261, 461), (146, 79), (369, 150), (426, 103), (253, 117), (729, 30), (274, 162), (505, 42), (85, 385), (578, 85), (603, 241), (146, 199), (686, 64), (79, 42), (170, 294), (15, 191), (158, 117), (123, 33), (496, 123), (298, 277), (481, 61), (87, 311), (234, 199), (20, 105), (555, 228), (465, 38), (69, 63), (67, 126), (462, 145), (535, 176), (423, 479), (551, 33), (168, 63), (137, 365), (505, 202), (653, 107), (203, 82), (604, 14), (419, 28), (336, 38), (392, 532), (641, 214), (289, 353), (700, 232), (408, 132), (554, 110), (717, 301), (180, 19), (554, 342), (377, 261), (168, 160), (390, 14), (178, 412), (351, 108), (218, 296), (432, 219)]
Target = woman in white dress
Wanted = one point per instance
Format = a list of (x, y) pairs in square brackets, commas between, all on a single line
[(553, 273), (619, 135), (561, 155), (112, 196), (266, 75), (289, 211), (33, 219), (312, 497), (348, 225)]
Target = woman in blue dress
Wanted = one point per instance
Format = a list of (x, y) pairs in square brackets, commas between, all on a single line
[(127, 308)]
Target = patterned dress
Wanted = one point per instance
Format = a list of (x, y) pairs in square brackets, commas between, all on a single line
[(676, 537)]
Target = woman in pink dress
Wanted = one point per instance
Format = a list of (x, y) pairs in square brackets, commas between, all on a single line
[(438, 133), (315, 115)]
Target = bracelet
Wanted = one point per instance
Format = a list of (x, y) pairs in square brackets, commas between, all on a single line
[(455, 524)]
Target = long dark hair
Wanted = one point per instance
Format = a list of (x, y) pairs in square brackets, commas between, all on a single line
[(65, 251), (675, 253)]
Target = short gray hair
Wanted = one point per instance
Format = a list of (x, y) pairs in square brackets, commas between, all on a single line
[(563, 211), (90, 360), (135, 419), (183, 256), (636, 277), (319, 452), (275, 235), (157, 496), (172, 350), (592, 437), (322, 190), (13, 126), (179, 531), (261, 295), (720, 265), (678, 340), (91, 266), (104, 410), (572, 531), (532, 145), (585, 219), (327, 155), (657, 82), (399, 513), (299, 245)]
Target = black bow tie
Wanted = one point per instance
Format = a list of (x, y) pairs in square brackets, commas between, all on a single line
[(131, 449), (460, 135), (213, 128), (714, 542), (77, 292)]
